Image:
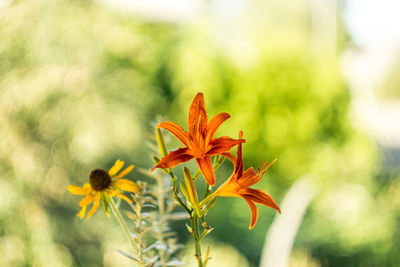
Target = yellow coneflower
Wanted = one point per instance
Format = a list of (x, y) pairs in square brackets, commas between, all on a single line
[(103, 182)]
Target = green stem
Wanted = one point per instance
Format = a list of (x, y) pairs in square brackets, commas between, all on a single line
[(161, 209), (207, 191), (164, 152), (196, 236), (121, 222), (196, 174), (175, 191)]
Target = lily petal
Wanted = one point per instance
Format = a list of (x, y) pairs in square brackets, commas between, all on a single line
[(95, 205), (229, 156), (239, 164), (125, 185), (124, 172), (254, 213), (77, 190), (207, 169), (197, 121), (174, 158), (117, 166), (222, 144), (214, 124), (176, 130), (261, 197)]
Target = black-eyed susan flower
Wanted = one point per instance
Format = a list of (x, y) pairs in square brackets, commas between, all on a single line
[(104, 184)]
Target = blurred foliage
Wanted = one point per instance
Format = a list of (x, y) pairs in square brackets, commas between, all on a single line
[(80, 86)]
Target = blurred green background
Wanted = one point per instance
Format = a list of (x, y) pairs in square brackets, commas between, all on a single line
[(81, 84)]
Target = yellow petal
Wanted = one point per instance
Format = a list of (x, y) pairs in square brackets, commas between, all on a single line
[(111, 192), (124, 197), (95, 205), (86, 200), (125, 185), (117, 166), (76, 190), (81, 214), (124, 172)]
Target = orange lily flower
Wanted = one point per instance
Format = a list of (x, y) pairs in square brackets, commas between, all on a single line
[(238, 185), (199, 140)]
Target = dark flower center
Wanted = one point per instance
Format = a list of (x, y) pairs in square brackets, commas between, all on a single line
[(99, 180)]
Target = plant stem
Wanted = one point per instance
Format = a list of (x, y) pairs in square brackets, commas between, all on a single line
[(196, 174), (175, 190), (121, 222), (161, 209), (196, 236), (207, 191)]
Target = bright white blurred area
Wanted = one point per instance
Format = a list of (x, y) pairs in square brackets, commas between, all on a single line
[(371, 22), (374, 29)]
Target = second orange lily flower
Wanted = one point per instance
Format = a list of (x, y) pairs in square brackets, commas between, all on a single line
[(238, 185), (199, 140)]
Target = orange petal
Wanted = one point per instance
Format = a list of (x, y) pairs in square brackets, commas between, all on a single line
[(174, 158), (95, 205), (214, 123), (227, 190), (222, 144), (76, 190), (239, 163), (251, 177), (176, 130), (231, 158), (261, 197), (125, 185), (124, 172), (197, 121), (86, 200), (117, 166), (206, 169), (254, 213)]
